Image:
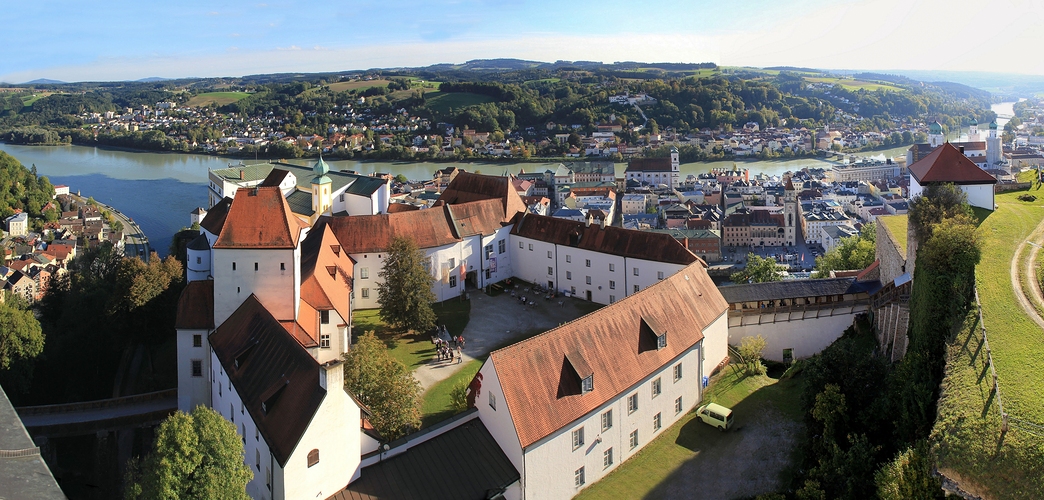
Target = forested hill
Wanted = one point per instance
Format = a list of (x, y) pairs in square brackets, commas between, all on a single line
[(22, 189)]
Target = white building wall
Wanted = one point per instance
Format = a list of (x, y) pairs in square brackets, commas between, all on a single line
[(199, 264), (980, 195), (715, 343), (278, 288), (806, 337), (337, 328), (498, 421), (359, 205), (501, 261), (606, 285), (531, 262), (649, 273), (193, 391), (335, 432), (550, 463)]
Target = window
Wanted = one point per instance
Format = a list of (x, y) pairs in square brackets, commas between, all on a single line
[(578, 477), (257, 434), (530, 247), (661, 340), (197, 340), (197, 368), (268, 478), (364, 273), (233, 266), (324, 317), (282, 266), (632, 403), (255, 267), (550, 270), (677, 372), (677, 405), (578, 438), (520, 244), (636, 288), (313, 457), (656, 387), (612, 285), (607, 458), (588, 280), (231, 411), (453, 282), (659, 275), (587, 384), (607, 420), (257, 459), (612, 268), (488, 274), (572, 290), (489, 250), (656, 422), (636, 271), (549, 254), (634, 439), (199, 260), (501, 246), (237, 289), (612, 299), (452, 264), (365, 293), (569, 275), (340, 197), (569, 258), (587, 262), (493, 401), (324, 340)]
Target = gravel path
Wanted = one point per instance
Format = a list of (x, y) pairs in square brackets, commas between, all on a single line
[(499, 321), (744, 462), (1016, 275)]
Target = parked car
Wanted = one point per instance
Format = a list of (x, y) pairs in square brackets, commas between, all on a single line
[(715, 415)]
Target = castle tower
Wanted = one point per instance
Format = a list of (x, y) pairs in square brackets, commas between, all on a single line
[(973, 131), (994, 148), (790, 212), (935, 135), (675, 164), (321, 189)]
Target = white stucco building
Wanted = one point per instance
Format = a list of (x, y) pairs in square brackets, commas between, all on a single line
[(655, 171), (570, 405), (947, 165)]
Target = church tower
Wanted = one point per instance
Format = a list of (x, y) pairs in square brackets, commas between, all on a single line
[(994, 149), (675, 164), (973, 131), (321, 189), (790, 212), (935, 135)]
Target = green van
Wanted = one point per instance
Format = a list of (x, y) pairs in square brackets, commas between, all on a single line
[(715, 415)]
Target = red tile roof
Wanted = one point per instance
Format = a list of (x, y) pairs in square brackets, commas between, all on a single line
[(536, 374), (326, 271), (467, 187), (276, 378), (394, 208), (478, 217), (649, 165), (374, 233), (215, 218), (947, 164), (196, 306), (259, 218), (611, 240)]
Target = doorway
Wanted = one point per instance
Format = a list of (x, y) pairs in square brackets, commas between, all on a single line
[(588, 294)]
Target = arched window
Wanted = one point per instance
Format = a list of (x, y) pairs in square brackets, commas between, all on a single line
[(313, 457)]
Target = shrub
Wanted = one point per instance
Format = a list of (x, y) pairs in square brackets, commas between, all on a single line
[(750, 350), (1027, 197), (459, 396)]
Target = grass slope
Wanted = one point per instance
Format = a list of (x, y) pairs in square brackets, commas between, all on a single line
[(216, 98), (897, 225), (970, 446), (852, 84), (358, 85), (413, 350), (441, 102)]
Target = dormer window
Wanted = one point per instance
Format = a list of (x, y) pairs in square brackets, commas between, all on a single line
[(661, 340), (587, 384)]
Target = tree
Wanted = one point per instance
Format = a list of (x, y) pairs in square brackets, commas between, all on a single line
[(908, 476), (854, 252), (196, 455), (20, 334), (384, 385), (937, 202), (401, 178), (750, 350), (758, 270), (404, 294)]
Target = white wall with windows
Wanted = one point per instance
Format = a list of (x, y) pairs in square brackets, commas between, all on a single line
[(193, 369), (274, 275)]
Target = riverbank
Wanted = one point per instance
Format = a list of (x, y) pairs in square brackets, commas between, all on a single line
[(135, 243)]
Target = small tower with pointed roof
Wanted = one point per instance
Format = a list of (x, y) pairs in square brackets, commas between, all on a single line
[(935, 134), (322, 198), (790, 211), (973, 130)]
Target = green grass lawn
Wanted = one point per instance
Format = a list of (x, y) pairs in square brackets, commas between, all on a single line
[(852, 84), (435, 402), (358, 85), (216, 98), (30, 99), (413, 350), (644, 474), (897, 225), (441, 102), (970, 446)]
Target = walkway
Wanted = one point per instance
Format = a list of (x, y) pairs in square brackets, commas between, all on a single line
[(99, 411), (1017, 273), (500, 321)]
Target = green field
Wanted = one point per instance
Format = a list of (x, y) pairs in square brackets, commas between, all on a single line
[(970, 445), (30, 99), (897, 225), (441, 102), (216, 98), (852, 84), (358, 85)]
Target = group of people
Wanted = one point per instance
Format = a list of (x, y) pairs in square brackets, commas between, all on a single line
[(448, 350)]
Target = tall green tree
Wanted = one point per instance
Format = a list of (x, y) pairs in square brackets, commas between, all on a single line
[(21, 341), (758, 270), (854, 252), (384, 385), (197, 455), (909, 475), (404, 294), (937, 202)]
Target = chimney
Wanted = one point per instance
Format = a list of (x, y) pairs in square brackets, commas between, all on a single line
[(961, 148), (331, 374), (240, 174)]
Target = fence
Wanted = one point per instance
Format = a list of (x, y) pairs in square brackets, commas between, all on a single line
[(989, 360)]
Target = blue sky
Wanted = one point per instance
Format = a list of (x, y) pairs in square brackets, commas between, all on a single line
[(117, 39)]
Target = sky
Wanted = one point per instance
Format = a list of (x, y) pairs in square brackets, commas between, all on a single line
[(128, 40)]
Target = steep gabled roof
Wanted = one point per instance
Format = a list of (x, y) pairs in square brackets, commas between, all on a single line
[(259, 218), (215, 218), (948, 164), (788, 289), (373, 233), (276, 378), (478, 217), (196, 306), (611, 240), (649, 165), (326, 271), (467, 187), (539, 376)]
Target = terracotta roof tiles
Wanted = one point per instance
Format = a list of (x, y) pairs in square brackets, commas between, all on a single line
[(259, 218), (215, 218), (612, 240), (947, 164), (196, 306)]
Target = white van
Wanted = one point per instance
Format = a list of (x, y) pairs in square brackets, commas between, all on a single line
[(715, 415)]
